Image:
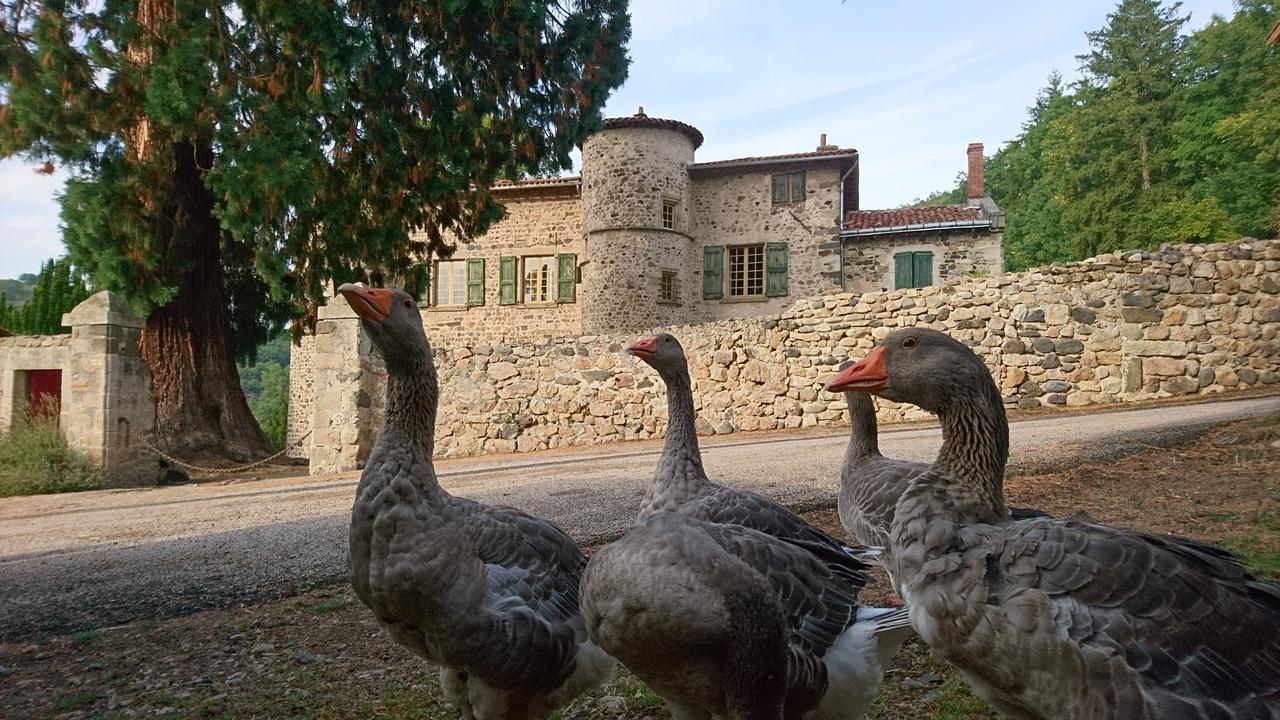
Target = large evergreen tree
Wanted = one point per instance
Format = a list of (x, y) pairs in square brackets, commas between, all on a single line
[(231, 158)]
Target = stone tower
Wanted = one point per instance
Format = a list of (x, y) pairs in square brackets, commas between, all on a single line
[(636, 211)]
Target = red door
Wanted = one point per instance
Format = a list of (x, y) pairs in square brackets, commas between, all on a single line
[(46, 392)]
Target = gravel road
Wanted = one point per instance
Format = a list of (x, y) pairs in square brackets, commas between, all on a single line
[(69, 562)]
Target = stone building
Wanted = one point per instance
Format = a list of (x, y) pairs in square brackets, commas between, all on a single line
[(647, 236), (917, 247)]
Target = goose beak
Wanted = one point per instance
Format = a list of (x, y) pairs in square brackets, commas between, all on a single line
[(644, 348), (372, 304), (867, 375)]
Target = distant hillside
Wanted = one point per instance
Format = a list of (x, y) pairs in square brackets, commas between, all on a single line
[(18, 291)]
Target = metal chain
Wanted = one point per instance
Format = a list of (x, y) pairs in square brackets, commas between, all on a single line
[(223, 471)]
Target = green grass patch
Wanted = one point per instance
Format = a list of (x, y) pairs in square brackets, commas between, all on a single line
[(83, 638), (35, 459), (329, 605), (80, 699)]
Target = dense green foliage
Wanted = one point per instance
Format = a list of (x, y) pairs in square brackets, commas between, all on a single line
[(230, 159), (266, 387), (56, 290), (335, 131), (35, 459), (1167, 138)]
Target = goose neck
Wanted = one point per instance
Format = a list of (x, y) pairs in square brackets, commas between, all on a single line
[(682, 437), (863, 431), (971, 463)]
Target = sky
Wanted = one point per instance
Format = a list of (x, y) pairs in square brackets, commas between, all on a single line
[(909, 85)]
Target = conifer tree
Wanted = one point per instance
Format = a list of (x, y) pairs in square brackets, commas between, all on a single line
[(230, 159)]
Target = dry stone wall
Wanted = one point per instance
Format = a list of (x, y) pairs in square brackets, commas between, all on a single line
[(1185, 320)]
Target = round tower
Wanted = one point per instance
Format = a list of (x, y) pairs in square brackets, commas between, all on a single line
[(637, 218)]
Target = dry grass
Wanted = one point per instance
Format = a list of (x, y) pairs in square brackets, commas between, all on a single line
[(320, 655)]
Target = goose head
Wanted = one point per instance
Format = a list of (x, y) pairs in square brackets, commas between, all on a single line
[(919, 366), (391, 318), (662, 352)]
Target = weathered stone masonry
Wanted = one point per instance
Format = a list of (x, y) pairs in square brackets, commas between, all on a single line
[(1185, 320)]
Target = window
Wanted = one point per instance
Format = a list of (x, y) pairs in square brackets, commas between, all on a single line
[(755, 271), (451, 282), (539, 278), (788, 189), (912, 270), (668, 214), (667, 287), (746, 270)]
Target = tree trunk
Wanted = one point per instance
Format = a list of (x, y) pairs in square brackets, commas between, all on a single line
[(201, 412), (1144, 161)]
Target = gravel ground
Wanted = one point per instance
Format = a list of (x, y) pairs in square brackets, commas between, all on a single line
[(87, 560)]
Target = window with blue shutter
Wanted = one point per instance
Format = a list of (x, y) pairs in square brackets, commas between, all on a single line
[(566, 277), (775, 261), (713, 272)]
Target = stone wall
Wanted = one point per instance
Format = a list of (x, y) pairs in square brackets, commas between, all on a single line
[(957, 255), (301, 394), (1124, 326), (735, 207), (27, 352), (107, 411)]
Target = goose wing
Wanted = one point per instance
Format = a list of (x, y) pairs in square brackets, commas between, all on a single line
[(818, 603), (759, 513), (1178, 619), (869, 490)]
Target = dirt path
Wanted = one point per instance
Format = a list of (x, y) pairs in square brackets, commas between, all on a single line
[(319, 654), (84, 560)]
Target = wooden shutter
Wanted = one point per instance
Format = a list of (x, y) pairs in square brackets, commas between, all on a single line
[(922, 269), (902, 271), (566, 277), (713, 272), (507, 280), (475, 281), (780, 190), (775, 263), (797, 188)]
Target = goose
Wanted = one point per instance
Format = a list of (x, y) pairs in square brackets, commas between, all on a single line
[(1055, 618), (680, 484), (729, 623), (711, 575), (489, 594), (871, 483)]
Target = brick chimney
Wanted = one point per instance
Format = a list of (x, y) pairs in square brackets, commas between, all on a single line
[(977, 170)]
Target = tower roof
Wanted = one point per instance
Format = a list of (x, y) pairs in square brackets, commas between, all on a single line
[(640, 120)]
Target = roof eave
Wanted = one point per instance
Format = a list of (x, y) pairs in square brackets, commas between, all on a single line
[(537, 186), (916, 227), (728, 164)]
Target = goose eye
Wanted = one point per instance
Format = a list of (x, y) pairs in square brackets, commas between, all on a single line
[(908, 342), (407, 303)]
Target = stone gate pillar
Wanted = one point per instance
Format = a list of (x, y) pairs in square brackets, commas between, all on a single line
[(107, 410), (346, 391)]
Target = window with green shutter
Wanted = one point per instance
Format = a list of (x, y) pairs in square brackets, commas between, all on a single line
[(775, 261), (507, 280), (788, 189), (475, 281), (912, 270), (566, 277), (713, 272)]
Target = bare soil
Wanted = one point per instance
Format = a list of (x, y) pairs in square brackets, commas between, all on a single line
[(320, 655)]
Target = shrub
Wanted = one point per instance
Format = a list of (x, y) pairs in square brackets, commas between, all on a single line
[(35, 459)]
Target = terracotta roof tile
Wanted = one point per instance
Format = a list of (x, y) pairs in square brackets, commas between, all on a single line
[(526, 182), (640, 120), (831, 151), (915, 218)]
